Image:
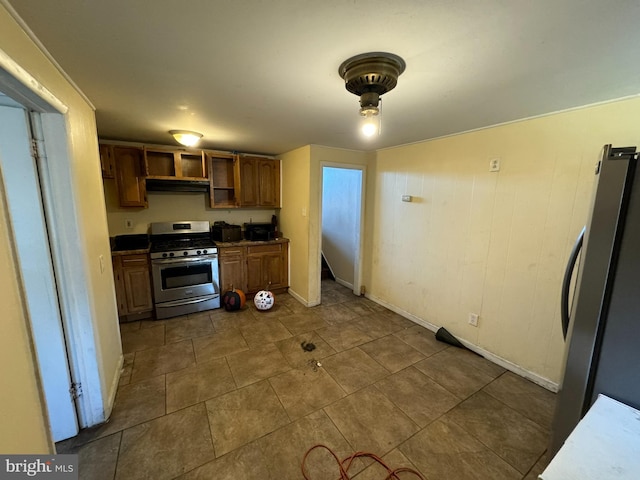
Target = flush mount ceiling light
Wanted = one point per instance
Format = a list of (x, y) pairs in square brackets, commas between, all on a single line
[(186, 137), (370, 75)]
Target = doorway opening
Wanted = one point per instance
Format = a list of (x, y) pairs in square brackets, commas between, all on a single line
[(21, 181), (34, 152), (342, 208)]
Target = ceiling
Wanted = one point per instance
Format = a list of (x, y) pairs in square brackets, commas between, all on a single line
[(262, 75)]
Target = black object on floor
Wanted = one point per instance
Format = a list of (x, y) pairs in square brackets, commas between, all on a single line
[(444, 336), (308, 346)]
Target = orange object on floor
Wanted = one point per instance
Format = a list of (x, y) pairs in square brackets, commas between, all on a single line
[(344, 465)]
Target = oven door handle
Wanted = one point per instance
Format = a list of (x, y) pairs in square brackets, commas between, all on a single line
[(177, 303), (169, 261)]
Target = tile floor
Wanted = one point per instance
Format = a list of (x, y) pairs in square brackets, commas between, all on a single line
[(232, 395)]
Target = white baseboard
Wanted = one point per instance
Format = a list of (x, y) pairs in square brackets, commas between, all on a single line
[(113, 389), (302, 300), (512, 367), (344, 283)]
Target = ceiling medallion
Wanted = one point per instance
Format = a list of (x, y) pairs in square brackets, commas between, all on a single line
[(370, 75)]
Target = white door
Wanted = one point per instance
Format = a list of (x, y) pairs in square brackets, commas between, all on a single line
[(21, 183)]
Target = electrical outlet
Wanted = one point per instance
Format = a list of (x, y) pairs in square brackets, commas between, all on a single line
[(473, 319), (494, 165)]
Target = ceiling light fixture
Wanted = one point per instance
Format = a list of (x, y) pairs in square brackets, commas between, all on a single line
[(370, 75), (186, 137)]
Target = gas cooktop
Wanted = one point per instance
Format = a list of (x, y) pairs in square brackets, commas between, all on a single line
[(181, 239)]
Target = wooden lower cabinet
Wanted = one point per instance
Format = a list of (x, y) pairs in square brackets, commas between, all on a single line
[(266, 267), (133, 285), (232, 262), (255, 267)]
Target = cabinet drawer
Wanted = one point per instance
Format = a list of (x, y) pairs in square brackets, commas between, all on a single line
[(135, 260), (258, 249), (230, 252)]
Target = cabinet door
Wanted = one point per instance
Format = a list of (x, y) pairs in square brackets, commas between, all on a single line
[(273, 268), (269, 183), (137, 283), (255, 278), (248, 178), (121, 297), (107, 161), (232, 269), (137, 286), (130, 181)]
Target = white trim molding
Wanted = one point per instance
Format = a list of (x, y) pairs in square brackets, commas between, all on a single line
[(512, 367), (14, 79)]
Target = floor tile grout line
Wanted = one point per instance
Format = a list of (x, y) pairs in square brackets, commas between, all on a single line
[(545, 428), (535, 463), (359, 318), (484, 443), (115, 469)]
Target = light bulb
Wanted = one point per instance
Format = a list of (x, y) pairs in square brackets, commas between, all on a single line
[(370, 125)]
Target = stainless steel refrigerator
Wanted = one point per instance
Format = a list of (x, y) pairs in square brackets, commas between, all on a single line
[(602, 329)]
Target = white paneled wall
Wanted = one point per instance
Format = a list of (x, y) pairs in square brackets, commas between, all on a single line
[(492, 243)]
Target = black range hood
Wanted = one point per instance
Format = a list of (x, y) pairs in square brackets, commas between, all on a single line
[(160, 185)]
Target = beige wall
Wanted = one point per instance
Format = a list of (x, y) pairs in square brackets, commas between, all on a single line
[(294, 217), (93, 242), (321, 155), (169, 206), (300, 216), (490, 243)]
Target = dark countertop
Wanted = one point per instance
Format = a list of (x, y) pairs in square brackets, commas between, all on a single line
[(130, 252), (248, 243), (130, 244), (139, 244)]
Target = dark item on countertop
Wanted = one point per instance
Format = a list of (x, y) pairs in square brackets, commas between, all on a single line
[(224, 232), (259, 231)]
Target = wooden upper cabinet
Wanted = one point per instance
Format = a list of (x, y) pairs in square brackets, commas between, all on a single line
[(171, 164), (248, 176), (269, 183), (107, 162), (222, 180), (259, 182), (130, 176)]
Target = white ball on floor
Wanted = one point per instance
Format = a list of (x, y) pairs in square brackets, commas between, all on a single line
[(264, 300)]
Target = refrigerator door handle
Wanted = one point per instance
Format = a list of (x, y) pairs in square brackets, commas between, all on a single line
[(566, 282)]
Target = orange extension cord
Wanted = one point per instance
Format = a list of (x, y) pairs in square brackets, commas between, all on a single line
[(346, 463)]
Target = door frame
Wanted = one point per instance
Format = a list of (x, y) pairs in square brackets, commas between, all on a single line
[(49, 118), (358, 269)]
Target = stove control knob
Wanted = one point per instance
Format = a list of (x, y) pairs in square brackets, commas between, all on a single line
[(185, 253), (198, 252), (171, 254), (204, 252), (164, 255)]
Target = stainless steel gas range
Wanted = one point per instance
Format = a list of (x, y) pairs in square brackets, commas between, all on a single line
[(184, 264)]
